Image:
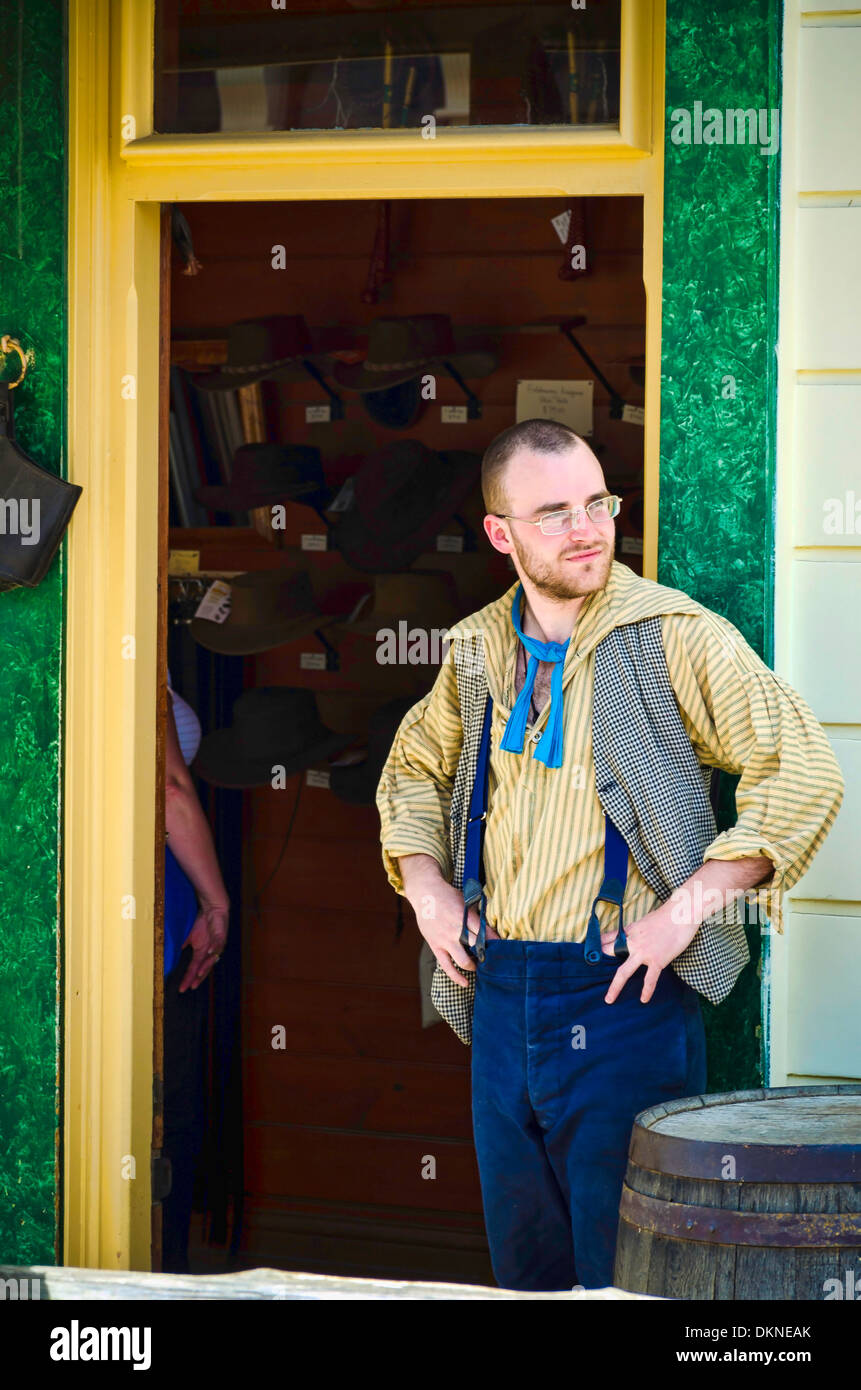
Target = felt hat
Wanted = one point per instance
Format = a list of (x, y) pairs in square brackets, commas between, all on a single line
[(272, 726), (26, 553), (264, 474), (428, 598), (401, 497), (395, 407), (267, 608), (396, 647), (273, 348), (358, 784), (406, 347)]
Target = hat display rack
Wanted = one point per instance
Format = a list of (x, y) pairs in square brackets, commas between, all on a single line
[(390, 512)]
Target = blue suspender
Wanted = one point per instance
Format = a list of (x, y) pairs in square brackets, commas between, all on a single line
[(612, 890), (473, 889), (615, 865)]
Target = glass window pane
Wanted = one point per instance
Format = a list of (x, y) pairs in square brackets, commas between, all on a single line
[(252, 65)]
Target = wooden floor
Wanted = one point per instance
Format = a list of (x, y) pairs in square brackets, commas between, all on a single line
[(355, 1247)]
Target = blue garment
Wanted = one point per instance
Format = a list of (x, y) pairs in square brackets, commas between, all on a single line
[(180, 908), (548, 750), (553, 1108)]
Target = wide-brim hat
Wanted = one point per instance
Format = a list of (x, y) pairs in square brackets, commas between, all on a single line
[(264, 474), (424, 597), (408, 346), (395, 407), (267, 609), (401, 498), (273, 348), (273, 726), (358, 783)]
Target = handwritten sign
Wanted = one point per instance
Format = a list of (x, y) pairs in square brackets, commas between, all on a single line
[(569, 402)]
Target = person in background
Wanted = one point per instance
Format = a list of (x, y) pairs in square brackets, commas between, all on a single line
[(196, 912)]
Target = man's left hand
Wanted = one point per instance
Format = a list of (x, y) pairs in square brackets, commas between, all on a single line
[(653, 941)]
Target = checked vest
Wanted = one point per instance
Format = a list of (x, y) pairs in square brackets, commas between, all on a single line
[(649, 782)]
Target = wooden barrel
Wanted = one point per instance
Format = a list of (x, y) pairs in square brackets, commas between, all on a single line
[(745, 1195)]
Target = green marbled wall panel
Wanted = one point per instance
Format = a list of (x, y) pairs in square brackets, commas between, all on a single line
[(720, 321), (33, 309)]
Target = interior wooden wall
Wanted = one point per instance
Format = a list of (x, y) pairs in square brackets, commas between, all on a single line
[(338, 1126)]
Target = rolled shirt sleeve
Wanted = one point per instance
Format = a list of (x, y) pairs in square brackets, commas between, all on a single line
[(414, 791), (745, 719)]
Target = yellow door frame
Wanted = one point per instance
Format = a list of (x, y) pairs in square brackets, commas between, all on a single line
[(120, 172)]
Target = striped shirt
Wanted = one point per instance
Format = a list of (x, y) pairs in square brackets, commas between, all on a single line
[(544, 834), (188, 729)]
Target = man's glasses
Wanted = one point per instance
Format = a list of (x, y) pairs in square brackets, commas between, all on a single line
[(557, 523)]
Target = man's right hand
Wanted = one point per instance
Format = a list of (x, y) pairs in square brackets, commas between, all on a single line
[(439, 913)]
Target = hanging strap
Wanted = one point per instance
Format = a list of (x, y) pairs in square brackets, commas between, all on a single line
[(612, 890), (473, 889), (612, 886)]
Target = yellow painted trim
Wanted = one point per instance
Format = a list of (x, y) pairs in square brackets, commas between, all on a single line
[(830, 198), (653, 273), (827, 376), (116, 186), (111, 692), (272, 148), (828, 19)]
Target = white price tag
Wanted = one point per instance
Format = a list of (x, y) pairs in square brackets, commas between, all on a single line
[(318, 414), (450, 543), (634, 414), (560, 225), (313, 778), (453, 414), (215, 604), (344, 499), (314, 541), (312, 661)]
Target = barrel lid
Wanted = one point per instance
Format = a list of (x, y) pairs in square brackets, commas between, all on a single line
[(780, 1134), (784, 1120)]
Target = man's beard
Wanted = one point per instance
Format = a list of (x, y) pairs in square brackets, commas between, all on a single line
[(560, 580)]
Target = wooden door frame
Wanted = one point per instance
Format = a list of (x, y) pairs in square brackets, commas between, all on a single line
[(120, 175)]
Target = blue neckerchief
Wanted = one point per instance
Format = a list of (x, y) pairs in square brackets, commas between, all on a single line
[(548, 750)]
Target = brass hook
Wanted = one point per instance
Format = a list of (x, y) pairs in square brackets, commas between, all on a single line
[(8, 345)]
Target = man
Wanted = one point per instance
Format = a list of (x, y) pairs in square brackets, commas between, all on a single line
[(566, 1052)]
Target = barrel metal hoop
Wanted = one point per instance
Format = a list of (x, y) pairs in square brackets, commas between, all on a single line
[(694, 1158), (717, 1226)]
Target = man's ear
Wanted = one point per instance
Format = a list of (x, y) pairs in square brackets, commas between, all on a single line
[(496, 531)]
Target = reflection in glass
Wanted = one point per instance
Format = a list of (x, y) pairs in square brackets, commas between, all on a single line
[(245, 65)]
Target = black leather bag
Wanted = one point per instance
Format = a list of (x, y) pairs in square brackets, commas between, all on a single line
[(35, 508)]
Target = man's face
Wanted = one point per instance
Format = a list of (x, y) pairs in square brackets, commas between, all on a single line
[(576, 562)]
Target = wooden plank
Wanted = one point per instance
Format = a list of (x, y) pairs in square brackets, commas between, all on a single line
[(304, 878), (343, 1020), (104, 1285), (446, 228), (358, 1093), (367, 1243), (162, 698), (355, 949), (291, 1160)]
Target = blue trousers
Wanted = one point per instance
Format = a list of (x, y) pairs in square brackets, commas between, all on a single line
[(557, 1079)]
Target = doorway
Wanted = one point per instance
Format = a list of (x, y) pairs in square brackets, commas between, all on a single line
[(326, 1084)]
